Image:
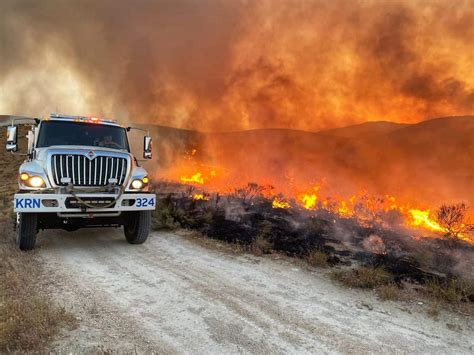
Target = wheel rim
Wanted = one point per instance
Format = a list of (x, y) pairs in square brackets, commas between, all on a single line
[(133, 226)]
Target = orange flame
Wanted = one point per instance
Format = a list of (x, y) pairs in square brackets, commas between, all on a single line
[(278, 203), (344, 210), (197, 178), (308, 199), (424, 219), (362, 206)]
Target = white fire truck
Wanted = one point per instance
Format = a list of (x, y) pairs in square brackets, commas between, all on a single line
[(79, 173)]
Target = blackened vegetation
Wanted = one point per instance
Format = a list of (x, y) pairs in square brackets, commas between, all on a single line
[(250, 221), (242, 221)]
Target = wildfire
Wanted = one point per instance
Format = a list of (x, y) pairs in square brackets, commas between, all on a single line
[(197, 178), (201, 197), (278, 203), (344, 210), (308, 199), (362, 205), (423, 219)]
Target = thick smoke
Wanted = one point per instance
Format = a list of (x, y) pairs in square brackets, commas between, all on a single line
[(229, 65)]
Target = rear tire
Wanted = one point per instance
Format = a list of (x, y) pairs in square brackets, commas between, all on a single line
[(137, 227), (26, 231)]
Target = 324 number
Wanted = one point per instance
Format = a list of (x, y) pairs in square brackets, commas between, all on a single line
[(145, 202)]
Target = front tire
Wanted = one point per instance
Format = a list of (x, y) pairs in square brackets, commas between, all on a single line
[(26, 231), (137, 227)]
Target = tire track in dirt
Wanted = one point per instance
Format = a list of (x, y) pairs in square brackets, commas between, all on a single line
[(177, 296)]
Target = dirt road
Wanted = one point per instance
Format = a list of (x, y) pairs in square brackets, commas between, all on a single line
[(171, 295)]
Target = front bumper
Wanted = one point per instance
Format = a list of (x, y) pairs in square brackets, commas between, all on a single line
[(67, 203)]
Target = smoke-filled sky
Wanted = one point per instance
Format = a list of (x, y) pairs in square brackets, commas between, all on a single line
[(229, 65)]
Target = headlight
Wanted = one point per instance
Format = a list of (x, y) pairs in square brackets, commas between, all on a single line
[(137, 184), (32, 181), (36, 181)]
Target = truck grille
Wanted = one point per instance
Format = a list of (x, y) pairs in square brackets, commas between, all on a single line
[(85, 172)]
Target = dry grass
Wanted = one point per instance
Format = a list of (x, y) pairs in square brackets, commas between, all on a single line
[(389, 292), (317, 258), (363, 277), (433, 311), (261, 246), (453, 291), (28, 319)]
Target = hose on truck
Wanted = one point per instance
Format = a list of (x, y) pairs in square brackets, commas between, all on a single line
[(72, 190)]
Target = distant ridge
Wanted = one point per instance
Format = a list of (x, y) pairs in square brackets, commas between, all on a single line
[(373, 127)]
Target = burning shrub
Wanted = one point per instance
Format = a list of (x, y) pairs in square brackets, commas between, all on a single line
[(453, 219), (363, 277)]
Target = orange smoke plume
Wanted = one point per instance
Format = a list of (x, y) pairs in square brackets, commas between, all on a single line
[(240, 64)]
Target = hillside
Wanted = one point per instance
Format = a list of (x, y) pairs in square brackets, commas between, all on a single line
[(365, 129), (431, 160)]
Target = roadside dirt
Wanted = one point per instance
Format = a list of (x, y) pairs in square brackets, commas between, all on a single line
[(171, 295)]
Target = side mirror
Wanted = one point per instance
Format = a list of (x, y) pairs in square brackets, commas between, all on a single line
[(147, 147), (12, 137)]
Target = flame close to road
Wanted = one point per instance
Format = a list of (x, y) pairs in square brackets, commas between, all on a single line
[(360, 206), (286, 192)]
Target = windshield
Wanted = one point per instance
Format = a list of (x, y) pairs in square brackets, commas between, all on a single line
[(81, 134)]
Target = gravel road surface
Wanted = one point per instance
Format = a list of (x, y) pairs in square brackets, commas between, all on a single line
[(172, 295)]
